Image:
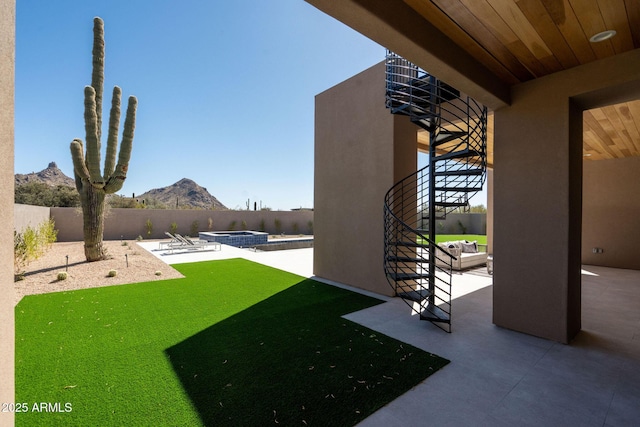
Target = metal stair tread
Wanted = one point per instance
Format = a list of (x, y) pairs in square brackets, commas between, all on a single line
[(433, 313), (394, 258), (408, 244), (457, 189), (415, 295), (467, 172), (448, 136), (458, 155), (407, 276), (451, 204)]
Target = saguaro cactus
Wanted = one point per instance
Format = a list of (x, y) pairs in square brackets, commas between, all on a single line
[(93, 185)]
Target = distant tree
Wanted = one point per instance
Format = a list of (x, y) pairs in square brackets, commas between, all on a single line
[(41, 194), (478, 209), (117, 201), (153, 204)]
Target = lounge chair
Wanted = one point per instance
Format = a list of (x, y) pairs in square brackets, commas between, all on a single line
[(170, 244), (188, 244)]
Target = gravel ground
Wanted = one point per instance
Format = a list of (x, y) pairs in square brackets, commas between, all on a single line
[(41, 274)]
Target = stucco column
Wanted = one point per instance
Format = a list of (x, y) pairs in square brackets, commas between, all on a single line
[(538, 193), (489, 185), (537, 187), (7, 341), (361, 150)]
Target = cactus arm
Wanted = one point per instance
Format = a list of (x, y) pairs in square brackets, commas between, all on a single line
[(112, 137), (116, 180), (79, 167), (93, 143), (97, 75)]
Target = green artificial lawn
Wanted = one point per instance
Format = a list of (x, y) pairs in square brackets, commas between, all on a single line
[(482, 240), (232, 343)]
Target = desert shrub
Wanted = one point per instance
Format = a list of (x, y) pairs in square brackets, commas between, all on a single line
[(31, 244), (261, 227), (148, 225), (210, 224), (173, 227), (278, 224), (243, 225), (232, 226), (112, 273), (195, 226), (310, 226), (158, 273), (62, 275)]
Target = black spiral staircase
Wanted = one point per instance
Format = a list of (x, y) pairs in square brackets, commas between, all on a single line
[(419, 271)]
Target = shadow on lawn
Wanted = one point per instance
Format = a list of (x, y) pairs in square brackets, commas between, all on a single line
[(292, 359)]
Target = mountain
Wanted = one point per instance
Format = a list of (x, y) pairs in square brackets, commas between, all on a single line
[(51, 176), (185, 193)]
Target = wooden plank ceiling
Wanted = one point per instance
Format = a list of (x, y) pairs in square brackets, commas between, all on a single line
[(520, 40)]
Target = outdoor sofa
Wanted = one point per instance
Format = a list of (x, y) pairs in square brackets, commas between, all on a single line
[(467, 254)]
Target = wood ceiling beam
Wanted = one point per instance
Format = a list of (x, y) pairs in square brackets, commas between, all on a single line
[(396, 26)]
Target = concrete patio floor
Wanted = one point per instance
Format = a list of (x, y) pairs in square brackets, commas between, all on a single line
[(499, 377)]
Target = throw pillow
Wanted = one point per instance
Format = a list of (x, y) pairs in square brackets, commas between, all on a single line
[(469, 247)]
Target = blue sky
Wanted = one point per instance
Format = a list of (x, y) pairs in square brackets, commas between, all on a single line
[(225, 89)]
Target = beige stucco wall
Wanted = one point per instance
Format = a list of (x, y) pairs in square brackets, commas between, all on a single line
[(538, 176), (361, 150), (131, 223), (611, 213), (489, 185), (29, 216), (7, 331)]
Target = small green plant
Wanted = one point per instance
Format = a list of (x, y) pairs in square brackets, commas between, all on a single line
[(210, 224), (148, 225), (295, 228), (243, 225), (173, 227), (62, 275), (124, 244), (139, 238), (463, 229), (112, 273), (261, 227), (310, 226), (31, 244), (232, 226), (158, 273), (278, 224), (195, 226)]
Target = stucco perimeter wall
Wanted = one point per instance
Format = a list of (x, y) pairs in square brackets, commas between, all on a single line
[(7, 330), (29, 216), (131, 223), (611, 213), (473, 223), (361, 150)]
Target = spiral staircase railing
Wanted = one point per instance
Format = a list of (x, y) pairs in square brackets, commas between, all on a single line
[(418, 270)]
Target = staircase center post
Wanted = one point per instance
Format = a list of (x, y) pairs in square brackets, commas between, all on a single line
[(433, 95)]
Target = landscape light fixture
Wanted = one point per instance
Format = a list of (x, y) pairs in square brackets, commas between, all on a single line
[(602, 36)]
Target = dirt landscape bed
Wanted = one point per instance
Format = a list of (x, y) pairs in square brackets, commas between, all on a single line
[(41, 274)]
